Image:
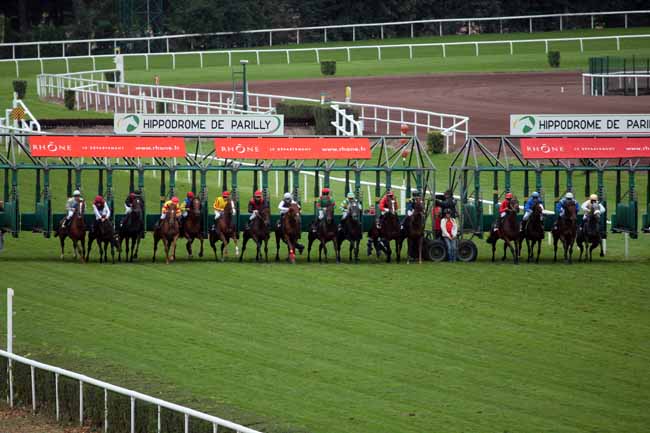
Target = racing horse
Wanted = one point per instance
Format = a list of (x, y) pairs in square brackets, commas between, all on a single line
[(168, 231), (351, 230), (192, 226), (76, 232), (289, 233), (509, 232), (389, 230), (131, 231), (565, 230), (414, 231), (589, 234), (326, 231), (224, 230), (259, 232), (533, 233), (104, 234)]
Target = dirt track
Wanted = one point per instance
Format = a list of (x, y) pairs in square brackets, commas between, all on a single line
[(488, 99)]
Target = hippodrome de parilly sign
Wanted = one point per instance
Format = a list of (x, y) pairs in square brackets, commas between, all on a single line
[(106, 146), (585, 147), (196, 124), (292, 148), (579, 124)]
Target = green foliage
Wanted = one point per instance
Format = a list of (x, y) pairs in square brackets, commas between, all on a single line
[(435, 142), (314, 113), (554, 59), (112, 76), (69, 99), (328, 67), (160, 107), (20, 87)]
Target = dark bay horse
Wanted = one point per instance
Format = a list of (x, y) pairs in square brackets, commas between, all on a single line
[(289, 233), (534, 233), (192, 226), (326, 231), (168, 231), (565, 230), (105, 234), (414, 231), (351, 230), (390, 231), (259, 232), (76, 232), (224, 230), (509, 232), (131, 231), (589, 234)]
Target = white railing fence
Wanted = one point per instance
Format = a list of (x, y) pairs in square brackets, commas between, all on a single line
[(143, 44), (599, 83), (344, 123), (82, 380), (107, 96), (204, 59)]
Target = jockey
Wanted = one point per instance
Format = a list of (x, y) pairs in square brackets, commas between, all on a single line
[(220, 204), (187, 204), (256, 205), (323, 202), (71, 205), (568, 197), (385, 205), (449, 202), (530, 204), (590, 204), (503, 210), (283, 207), (166, 206), (345, 204), (101, 210), (415, 195)]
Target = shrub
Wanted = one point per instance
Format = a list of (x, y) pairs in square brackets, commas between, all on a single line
[(435, 142), (328, 67), (160, 107), (112, 76), (554, 59), (20, 87), (69, 99)]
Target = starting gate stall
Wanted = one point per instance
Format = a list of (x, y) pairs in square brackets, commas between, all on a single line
[(498, 162), (390, 161)]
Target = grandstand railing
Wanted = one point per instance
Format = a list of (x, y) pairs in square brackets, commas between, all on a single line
[(317, 51), (108, 96), (133, 395), (10, 48)]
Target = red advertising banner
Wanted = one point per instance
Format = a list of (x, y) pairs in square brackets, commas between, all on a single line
[(576, 148), (292, 148), (107, 146)]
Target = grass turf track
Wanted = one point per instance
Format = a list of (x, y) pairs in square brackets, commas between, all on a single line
[(469, 347)]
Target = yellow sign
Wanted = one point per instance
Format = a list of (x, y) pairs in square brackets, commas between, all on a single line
[(18, 113)]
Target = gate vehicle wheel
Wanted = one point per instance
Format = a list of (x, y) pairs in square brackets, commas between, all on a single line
[(467, 251), (436, 250)]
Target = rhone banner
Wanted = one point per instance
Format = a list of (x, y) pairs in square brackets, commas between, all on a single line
[(107, 146), (292, 148), (578, 148)]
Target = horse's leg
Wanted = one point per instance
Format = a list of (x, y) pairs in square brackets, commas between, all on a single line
[(506, 245), (112, 252), (494, 249), (528, 249), (310, 241), (266, 250), (555, 241), (570, 251), (90, 245), (602, 254), (155, 246), (223, 246), (539, 249), (420, 242), (398, 249), (188, 246), (389, 251), (243, 246), (174, 248), (277, 246), (591, 249), (201, 241), (83, 248)]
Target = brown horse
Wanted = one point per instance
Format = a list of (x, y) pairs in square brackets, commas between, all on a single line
[(566, 230), (414, 231), (289, 232), (390, 231), (509, 232), (131, 231), (534, 233), (589, 234), (224, 230), (326, 231), (75, 231), (259, 232), (168, 231), (351, 230), (192, 226), (105, 234)]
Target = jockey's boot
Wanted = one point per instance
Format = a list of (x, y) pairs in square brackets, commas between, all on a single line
[(369, 246)]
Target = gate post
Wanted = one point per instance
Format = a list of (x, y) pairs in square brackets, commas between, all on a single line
[(204, 201), (316, 191), (495, 193), (172, 182), (234, 195), (77, 178), (141, 191), (296, 184), (109, 192), (47, 201), (633, 205), (14, 197), (601, 196), (163, 188), (526, 185)]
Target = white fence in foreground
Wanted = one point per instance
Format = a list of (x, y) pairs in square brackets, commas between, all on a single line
[(133, 395), (99, 95)]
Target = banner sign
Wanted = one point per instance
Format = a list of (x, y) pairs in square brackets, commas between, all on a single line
[(107, 146), (577, 148), (292, 148), (579, 124), (194, 124)]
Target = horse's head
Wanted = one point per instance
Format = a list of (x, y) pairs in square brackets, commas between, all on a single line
[(171, 212), (514, 205), (329, 213), (570, 210), (81, 209), (294, 211), (195, 207), (137, 206), (418, 205), (537, 209), (354, 210), (265, 215)]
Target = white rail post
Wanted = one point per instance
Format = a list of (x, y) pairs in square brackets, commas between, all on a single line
[(31, 368), (10, 332), (625, 20), (626, 235), (530, 24), (354, 33), (56, 391), (187, 423), (381, 30), (347, 49), (560, 22), (81, 403), (411, 52), (158, 417), (378, 53), (476, 47), (546, 46), (132, 414), (412, 34), (618, 43), (582, 48), (105, 410), (298, 36), (325, 35)]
